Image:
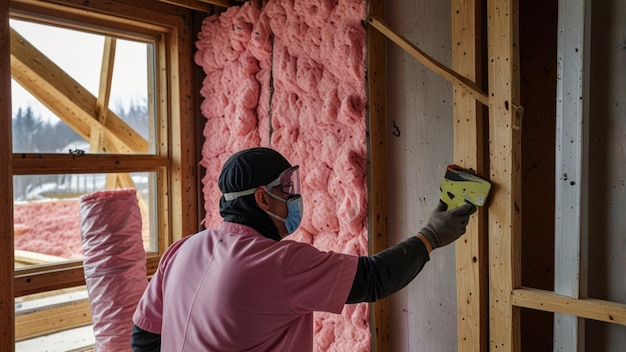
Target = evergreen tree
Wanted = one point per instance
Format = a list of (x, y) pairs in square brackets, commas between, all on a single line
[(136, 116), (25, 131), (31, 134), (63, 135)]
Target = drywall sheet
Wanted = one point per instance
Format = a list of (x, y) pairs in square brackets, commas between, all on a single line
[(420, 146), (291, 75)]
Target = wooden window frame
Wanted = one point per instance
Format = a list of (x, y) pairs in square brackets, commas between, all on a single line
[(175, 162)]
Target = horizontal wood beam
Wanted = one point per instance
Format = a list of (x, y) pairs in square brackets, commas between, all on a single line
[(23, 258), (26, 164), (223, 3), (203, 5), (194, 4), (53, 319), (452, 76), (588, 308), (54, 279), (37, 279), (98, 15)]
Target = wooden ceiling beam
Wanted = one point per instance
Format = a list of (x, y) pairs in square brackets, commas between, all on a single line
[(191, 4), (222, 3), (198, 5)]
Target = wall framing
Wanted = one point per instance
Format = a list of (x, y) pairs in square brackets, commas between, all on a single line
[(471, 253), (504, 226), (505, 290), (505, 294), (7, 305), (377, 167), (571, 174)]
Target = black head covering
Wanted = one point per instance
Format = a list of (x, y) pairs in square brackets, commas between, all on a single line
[(246, 169)]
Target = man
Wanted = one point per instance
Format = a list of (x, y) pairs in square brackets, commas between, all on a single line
[(240, 287)]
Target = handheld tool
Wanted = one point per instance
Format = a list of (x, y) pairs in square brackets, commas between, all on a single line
[(460, 185)]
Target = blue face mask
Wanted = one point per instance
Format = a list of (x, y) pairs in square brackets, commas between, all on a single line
[(294, 215)]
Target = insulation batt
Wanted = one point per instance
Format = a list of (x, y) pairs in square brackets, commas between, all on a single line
[(114, 263), (291, 76)]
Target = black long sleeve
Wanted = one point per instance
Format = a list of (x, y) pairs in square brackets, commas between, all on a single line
[(388, 271), (145, 341)]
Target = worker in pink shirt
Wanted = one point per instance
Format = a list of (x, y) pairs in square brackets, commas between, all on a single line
[(240, 287)]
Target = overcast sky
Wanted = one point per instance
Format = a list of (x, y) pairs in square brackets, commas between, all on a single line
[(80, 55)]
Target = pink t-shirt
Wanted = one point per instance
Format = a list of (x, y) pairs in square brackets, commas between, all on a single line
[(232, 289)]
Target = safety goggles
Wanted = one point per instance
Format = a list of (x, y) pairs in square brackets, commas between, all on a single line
[(288, 180)]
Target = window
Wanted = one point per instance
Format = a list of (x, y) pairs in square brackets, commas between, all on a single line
[(112, 74), (99, 102)]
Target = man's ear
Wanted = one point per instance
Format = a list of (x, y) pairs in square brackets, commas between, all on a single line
[(261, 198)]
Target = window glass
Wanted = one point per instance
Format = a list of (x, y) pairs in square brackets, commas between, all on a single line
[(130, 86), (37, 130), (46, 213), (46, 120)]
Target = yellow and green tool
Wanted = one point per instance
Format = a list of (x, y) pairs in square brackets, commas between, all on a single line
[(460, 185)]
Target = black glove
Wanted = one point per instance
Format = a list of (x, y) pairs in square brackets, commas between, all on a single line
[(444, 227)]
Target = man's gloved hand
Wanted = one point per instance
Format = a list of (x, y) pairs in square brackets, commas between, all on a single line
[(444, 227)]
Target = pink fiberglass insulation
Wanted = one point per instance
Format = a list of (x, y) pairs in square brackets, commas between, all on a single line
[(114, 263), (291, 75), (48, 227)]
